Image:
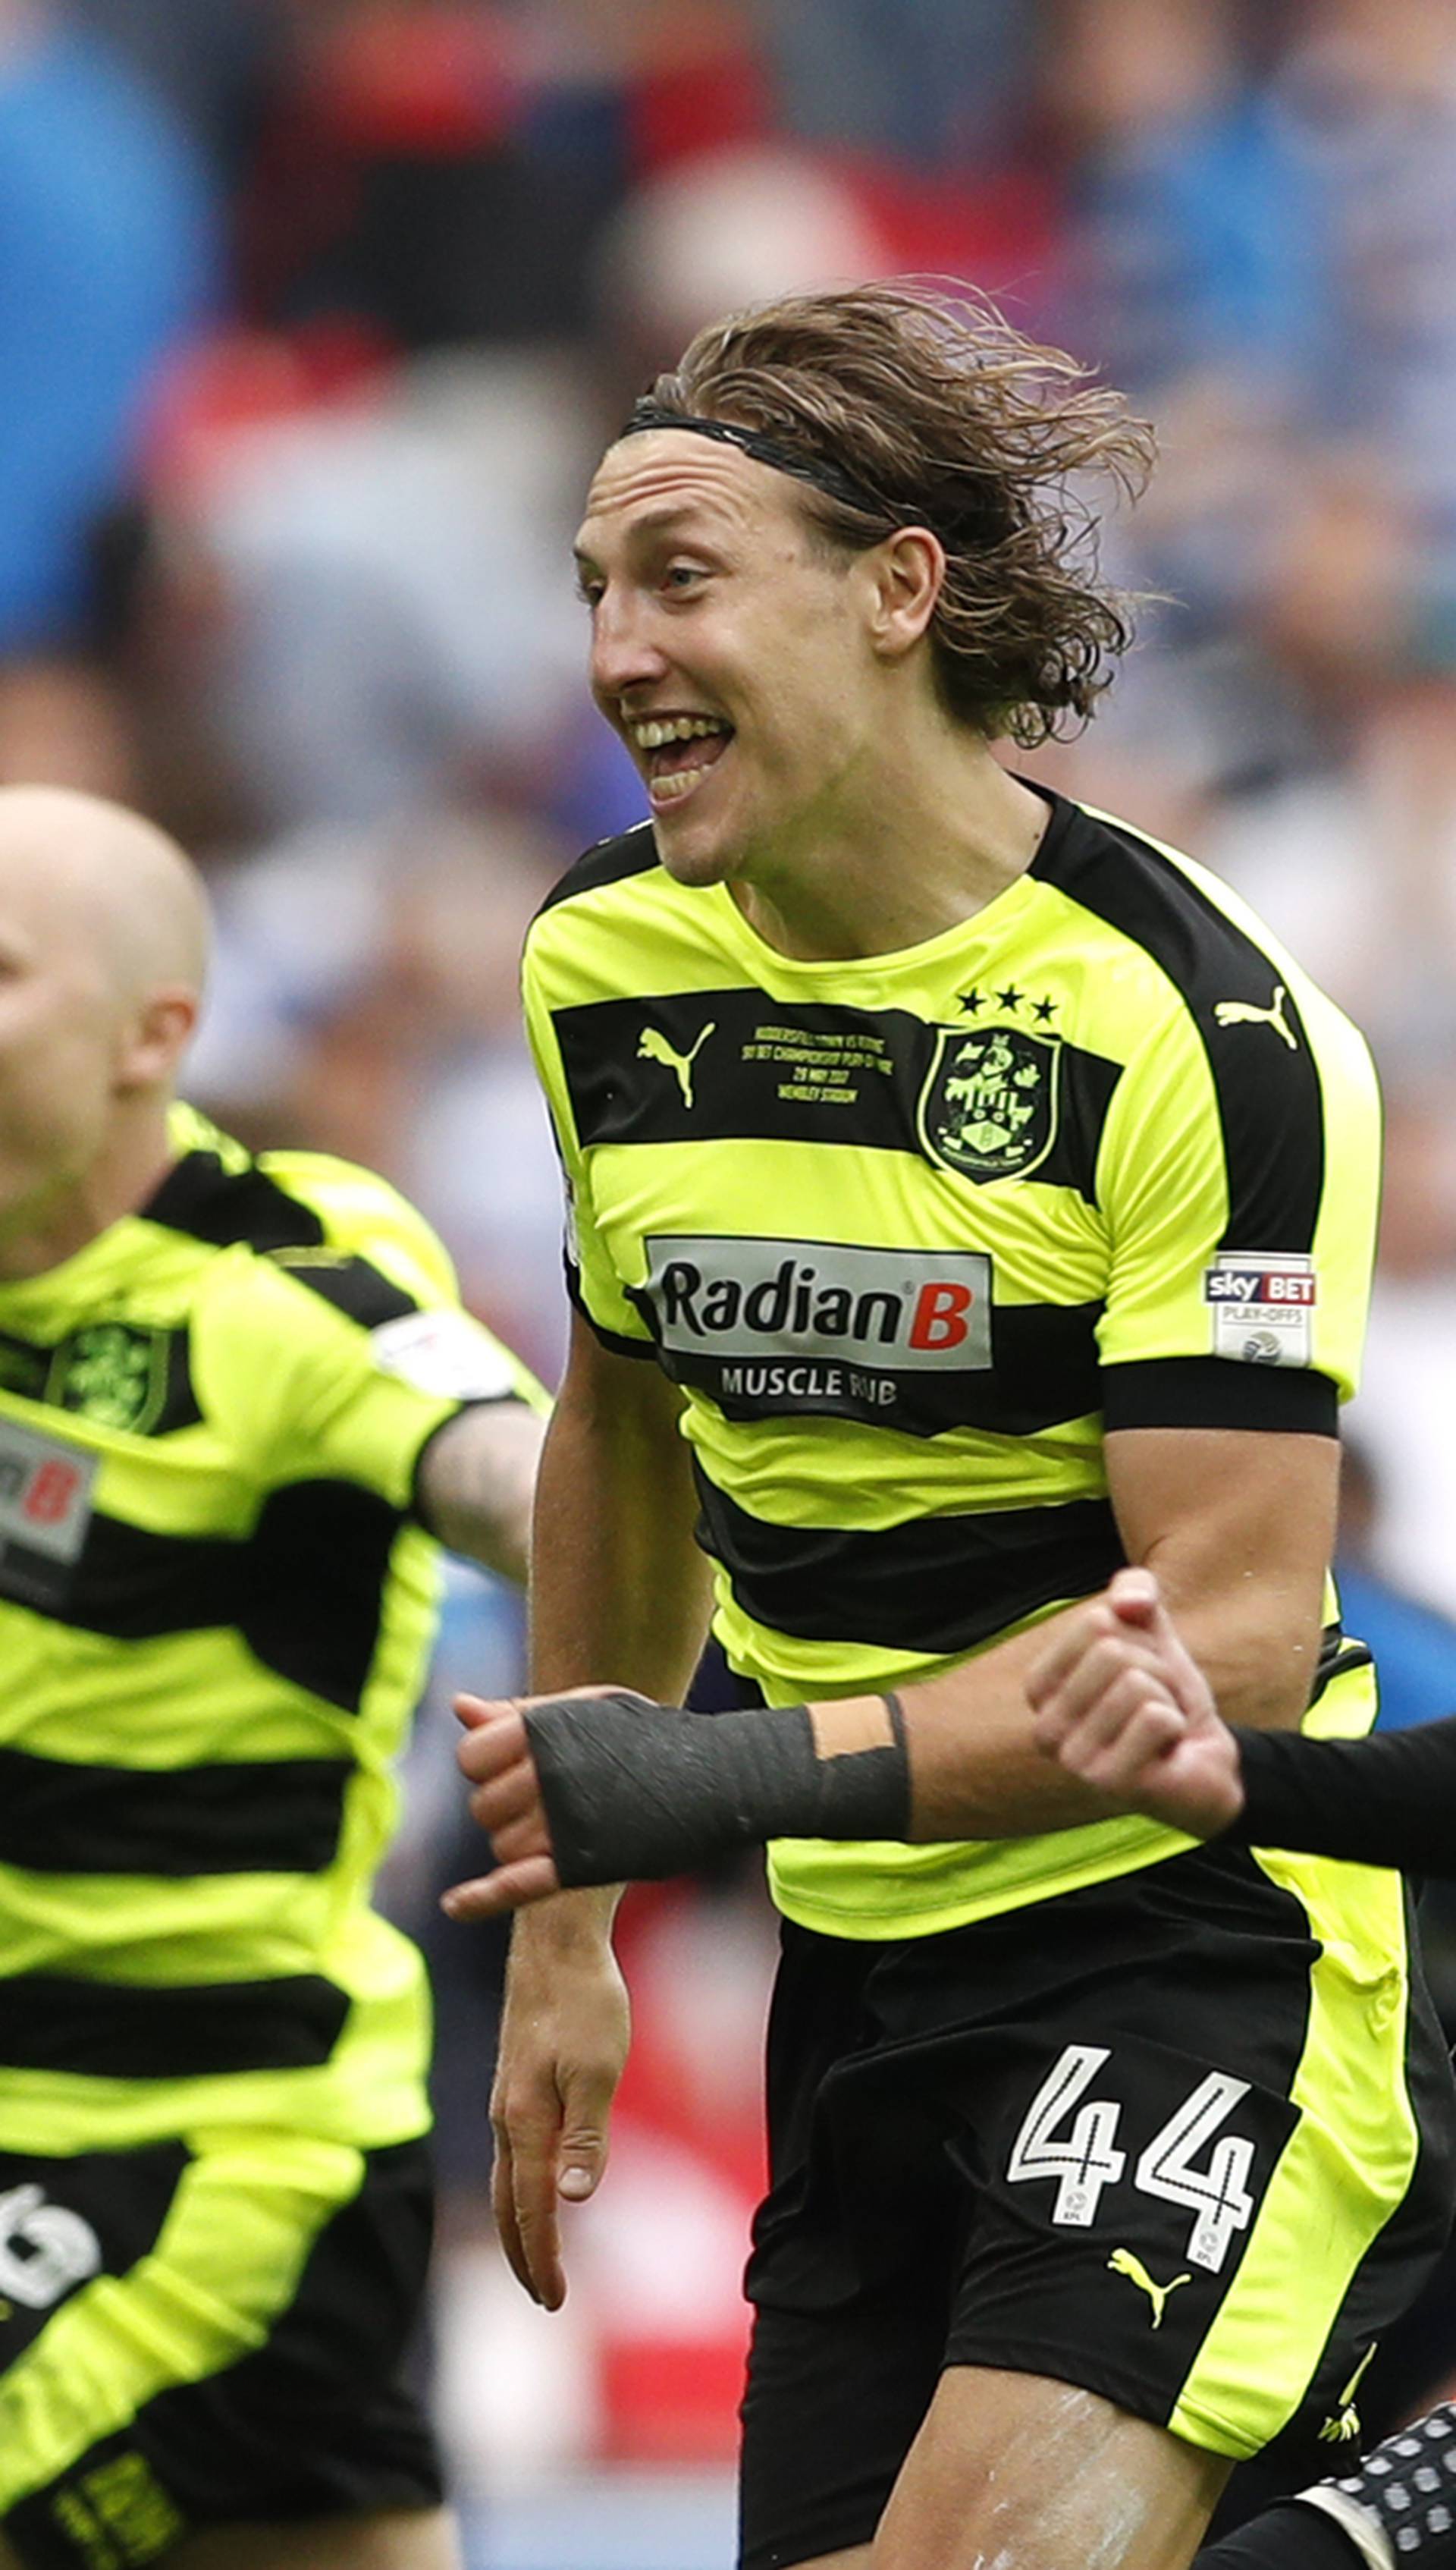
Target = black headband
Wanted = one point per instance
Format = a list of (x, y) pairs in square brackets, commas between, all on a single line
[(765, 450)]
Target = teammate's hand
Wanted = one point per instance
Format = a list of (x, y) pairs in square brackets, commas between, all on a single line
[(506, 1802), (564, 2031), (1118, 1701)]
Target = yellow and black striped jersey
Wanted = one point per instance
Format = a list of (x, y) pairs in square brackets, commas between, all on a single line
[(215, 1608), (912, 1231)]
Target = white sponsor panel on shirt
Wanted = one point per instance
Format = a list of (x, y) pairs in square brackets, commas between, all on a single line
[(913, 1311), (444, 1353), (45, 1510), (1263, 1305)]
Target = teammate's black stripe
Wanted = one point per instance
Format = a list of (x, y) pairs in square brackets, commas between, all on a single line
[(132, 1584), (746, 1058), (281, 1816), (633, 852), (317, 1562), (353, 1286), (38, 1371), (180, 1407), (24, 1367), (193, 2030), (937, 1584), (1271, 1102), (303, 1589), (200, 1197), (1217, 1391)]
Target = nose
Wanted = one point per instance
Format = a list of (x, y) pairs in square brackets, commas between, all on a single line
[(625, 651)]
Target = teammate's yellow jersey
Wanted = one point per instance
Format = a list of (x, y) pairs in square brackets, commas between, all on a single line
[(216, 1609), (911, 1232)]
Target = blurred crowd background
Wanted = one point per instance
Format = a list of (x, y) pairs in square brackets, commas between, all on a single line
[(314, 315)]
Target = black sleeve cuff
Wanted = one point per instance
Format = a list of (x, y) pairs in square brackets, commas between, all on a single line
[(615, 1343), (1214, 1392)]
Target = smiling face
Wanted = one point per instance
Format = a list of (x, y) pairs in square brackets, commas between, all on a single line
[(731, 651)]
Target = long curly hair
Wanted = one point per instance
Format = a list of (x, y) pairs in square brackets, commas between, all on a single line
[(944, 416)]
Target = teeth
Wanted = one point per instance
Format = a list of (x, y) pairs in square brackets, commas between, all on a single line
[(656, 736), (669, 789)]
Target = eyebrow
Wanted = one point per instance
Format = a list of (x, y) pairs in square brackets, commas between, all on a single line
[(653, 521)]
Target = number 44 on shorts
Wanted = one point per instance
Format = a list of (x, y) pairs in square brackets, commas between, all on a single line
[(1082, 2157)]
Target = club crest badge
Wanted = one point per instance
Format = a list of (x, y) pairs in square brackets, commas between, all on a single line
[(112, 1374), (991, 1099)]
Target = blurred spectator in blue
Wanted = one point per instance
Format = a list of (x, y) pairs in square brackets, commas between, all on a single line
[(1414, 1644), (922, 80), (1367, 100), (1196, 239), (106, 259), (211, 59)]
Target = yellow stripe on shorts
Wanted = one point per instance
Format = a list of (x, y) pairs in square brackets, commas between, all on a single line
[(226, 2265), (1352, 2154)]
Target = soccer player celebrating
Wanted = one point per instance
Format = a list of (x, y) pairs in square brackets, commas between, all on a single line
[(968, 1198), (1122, 1704), (235, 1396)]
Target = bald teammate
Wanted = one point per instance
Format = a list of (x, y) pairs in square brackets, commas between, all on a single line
[(238, 1398)]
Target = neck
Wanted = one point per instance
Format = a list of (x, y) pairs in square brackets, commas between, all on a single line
[(54, 1223), (939, 833)]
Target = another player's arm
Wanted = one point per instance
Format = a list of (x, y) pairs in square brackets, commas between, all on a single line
[(1238, 1525), (1121, 1702), (475, 1480), (618, 1585)]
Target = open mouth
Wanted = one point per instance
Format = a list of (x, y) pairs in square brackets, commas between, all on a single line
[(679, 749)]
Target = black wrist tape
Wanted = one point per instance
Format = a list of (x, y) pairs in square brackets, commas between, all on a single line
[(633, 1791)]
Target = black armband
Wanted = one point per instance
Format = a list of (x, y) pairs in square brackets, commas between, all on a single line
[(633, 1791), (1386, 1800)]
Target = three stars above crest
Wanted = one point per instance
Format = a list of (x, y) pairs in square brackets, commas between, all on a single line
[(1011, 999)]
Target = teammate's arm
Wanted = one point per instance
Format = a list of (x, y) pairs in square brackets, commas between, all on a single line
[(475, 1484), (1121, 1702), (618, 1585), (1237, 1527)]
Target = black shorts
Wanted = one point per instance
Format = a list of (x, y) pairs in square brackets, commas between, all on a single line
[(204, 2335), (1183, 2139)]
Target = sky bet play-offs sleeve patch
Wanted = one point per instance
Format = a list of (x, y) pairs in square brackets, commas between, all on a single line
[(1262, 1304)]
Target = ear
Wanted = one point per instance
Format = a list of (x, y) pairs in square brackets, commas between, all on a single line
[(157, 1038), (906, 573)]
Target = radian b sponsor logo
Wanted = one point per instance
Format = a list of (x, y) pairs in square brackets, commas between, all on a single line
[(906, 1310)]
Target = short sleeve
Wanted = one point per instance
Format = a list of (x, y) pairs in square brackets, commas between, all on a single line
[(592, 1282), (1239, 1182), (338, 1363)]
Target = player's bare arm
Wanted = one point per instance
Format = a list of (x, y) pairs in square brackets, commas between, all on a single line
[(564, 1790), (620, 1585), (476, 1482)]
